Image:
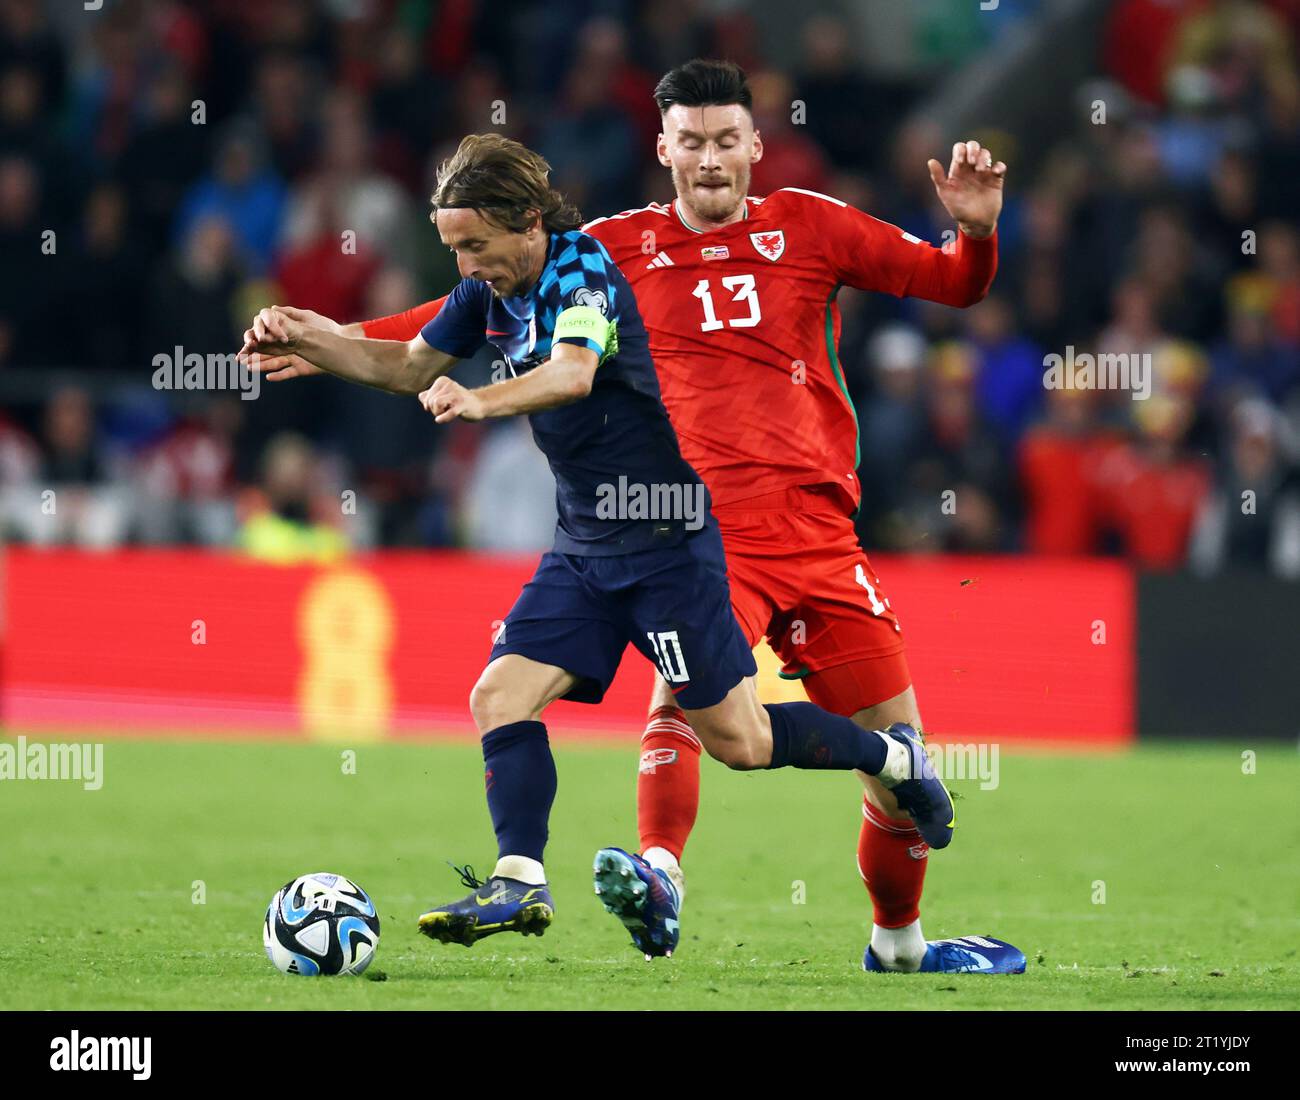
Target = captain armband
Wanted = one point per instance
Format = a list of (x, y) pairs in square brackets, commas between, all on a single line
[(587, 323)]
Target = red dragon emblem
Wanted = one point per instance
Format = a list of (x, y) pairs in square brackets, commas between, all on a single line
[(770, 245)]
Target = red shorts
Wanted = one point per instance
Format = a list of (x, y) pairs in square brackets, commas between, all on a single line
[(799, 578)]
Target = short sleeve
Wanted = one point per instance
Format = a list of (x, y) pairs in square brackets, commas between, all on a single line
[(405, 325), (459, 326)]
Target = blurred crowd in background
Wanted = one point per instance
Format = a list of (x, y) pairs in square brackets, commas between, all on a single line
[(197, 161)]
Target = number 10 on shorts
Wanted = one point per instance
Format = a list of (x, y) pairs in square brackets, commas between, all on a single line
[(668, 656)]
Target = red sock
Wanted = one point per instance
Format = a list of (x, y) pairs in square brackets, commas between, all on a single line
[(668, 786), (891, 859)]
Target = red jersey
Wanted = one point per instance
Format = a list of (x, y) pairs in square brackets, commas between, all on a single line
[(743, 327)]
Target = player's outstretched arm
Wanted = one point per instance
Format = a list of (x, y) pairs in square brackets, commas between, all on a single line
[(395, 366), (398, 326), (565, 377)]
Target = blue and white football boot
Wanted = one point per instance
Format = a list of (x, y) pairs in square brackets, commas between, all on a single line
[(497, 905), (642, 897), (963, 955), (922, 795)]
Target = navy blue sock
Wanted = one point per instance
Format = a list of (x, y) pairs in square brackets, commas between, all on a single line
[(805, 736), (520, 780)]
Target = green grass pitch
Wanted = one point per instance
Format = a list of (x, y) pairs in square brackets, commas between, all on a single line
[(1199, 863)]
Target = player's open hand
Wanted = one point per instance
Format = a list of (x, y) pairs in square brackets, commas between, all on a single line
[(449, 400), (972, 189)]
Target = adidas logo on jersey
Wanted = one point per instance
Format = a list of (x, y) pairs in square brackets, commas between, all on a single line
[(661, 260)]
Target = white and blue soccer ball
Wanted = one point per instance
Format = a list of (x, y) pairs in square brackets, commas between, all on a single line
[(321, 924)]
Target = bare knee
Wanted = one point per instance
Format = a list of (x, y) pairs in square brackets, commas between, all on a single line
[(730, 747), (736, 732), (492, 706), (740, 756)]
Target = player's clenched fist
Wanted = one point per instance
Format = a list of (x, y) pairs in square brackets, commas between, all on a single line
[(268, 343), (448, 400)]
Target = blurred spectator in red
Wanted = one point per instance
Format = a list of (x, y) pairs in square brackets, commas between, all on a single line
[(1252, 520), (323, 272), (1139, 39), (1153, 489), (1059, 463), (346, 194)]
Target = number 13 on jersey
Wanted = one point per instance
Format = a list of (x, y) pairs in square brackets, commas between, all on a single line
[(743, 291)]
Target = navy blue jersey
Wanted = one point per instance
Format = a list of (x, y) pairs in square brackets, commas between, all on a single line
[(622, 485)]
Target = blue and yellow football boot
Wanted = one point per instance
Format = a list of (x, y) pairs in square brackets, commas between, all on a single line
[(642, 897), (922, 795), (497, 905), (963, 955)]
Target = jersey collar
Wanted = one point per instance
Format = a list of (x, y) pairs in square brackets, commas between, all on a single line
[(682, 217)]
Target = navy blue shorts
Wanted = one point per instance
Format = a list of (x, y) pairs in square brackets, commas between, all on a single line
[(579, 613)]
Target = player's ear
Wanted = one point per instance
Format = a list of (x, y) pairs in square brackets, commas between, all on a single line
[(661, 151), (756, 149)]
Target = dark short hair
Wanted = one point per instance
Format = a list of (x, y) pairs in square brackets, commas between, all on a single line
[(504, 181), (704, 82)]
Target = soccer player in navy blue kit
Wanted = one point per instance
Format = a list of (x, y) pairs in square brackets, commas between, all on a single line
[(551, 301)]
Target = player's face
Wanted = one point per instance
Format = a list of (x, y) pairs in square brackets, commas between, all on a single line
[(710, 150), (488, 252)]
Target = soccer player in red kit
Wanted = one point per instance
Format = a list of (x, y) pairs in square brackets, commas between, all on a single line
[(738, 296)]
